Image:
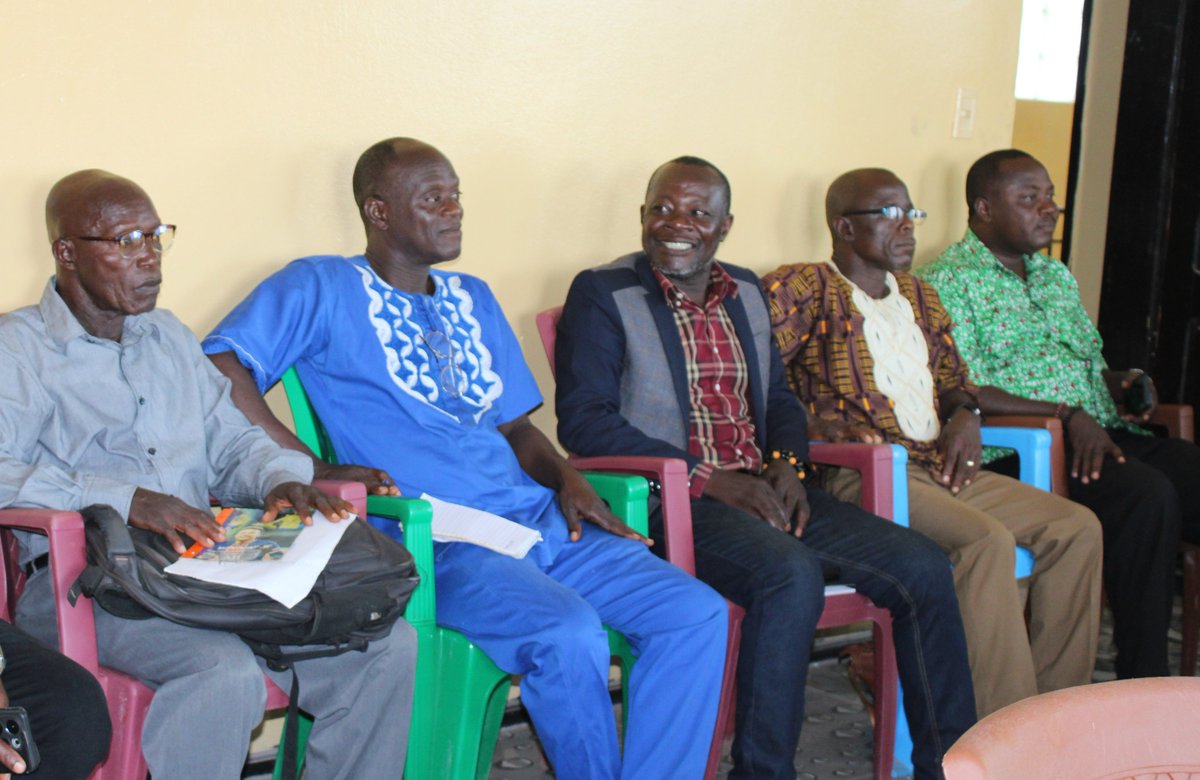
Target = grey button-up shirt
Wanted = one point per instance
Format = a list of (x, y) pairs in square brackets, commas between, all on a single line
[(88, 421)]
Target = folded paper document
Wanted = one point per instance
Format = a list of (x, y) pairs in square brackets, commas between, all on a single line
[(458, 523), (286, 577)]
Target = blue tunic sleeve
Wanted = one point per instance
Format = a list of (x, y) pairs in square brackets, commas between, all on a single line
[(289, 302)]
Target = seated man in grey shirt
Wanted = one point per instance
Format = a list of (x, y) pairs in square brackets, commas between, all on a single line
[(107, 400)]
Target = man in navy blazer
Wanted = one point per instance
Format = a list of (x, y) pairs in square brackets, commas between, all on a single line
[(667, 352)]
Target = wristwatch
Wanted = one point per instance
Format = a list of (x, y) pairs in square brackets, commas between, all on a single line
[(971, 406)]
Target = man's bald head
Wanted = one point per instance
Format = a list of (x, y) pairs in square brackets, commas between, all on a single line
[(850, 190), (376, 163), (77, 202), (870, 221), (101, 282)]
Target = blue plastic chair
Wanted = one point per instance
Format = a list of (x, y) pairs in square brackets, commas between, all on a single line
[(1033, 454)]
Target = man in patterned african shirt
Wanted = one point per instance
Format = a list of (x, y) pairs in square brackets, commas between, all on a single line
[(868, 349), (1021, 326)]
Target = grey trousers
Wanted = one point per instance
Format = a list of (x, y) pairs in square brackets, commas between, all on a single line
[(209, 694)]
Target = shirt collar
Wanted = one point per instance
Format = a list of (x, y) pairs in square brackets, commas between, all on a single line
[(889, 281), (439, 281), (974, 248), (63, 327), (720, 286)]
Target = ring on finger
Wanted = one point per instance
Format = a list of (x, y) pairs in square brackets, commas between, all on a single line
[(971, 463)]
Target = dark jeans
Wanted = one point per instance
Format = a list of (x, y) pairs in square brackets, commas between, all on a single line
[(778, 580), (67, 711), (1143, 504)]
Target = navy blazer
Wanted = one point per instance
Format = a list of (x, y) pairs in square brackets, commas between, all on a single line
[(622, 386)]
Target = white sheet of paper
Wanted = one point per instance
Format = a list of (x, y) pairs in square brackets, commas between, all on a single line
[(287, 580), (458, 523)]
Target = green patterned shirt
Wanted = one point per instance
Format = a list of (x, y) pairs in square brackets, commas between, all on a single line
[(1028, 336)]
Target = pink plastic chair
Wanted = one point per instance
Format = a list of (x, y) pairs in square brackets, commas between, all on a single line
[(128, 699), (1126, 729), (874, 462)]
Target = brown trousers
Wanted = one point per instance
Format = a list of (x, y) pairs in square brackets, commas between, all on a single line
[(977, 529)]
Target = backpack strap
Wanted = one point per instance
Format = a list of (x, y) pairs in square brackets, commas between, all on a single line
[(281, 661), (291, 727), (119, 550)]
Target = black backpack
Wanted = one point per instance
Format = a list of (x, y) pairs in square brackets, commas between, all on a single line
[(361, 593)]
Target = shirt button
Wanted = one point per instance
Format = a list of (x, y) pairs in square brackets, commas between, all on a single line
[(141, 401), (152, 451), (717, 386)]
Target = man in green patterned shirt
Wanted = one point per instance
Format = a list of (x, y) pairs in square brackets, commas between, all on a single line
[(1021, 327)]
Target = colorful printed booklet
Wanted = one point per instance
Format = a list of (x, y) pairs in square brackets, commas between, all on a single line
[(248, 538), (281, 558)]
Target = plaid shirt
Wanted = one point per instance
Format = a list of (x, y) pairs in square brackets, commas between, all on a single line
[(720, 426), (820, 337)]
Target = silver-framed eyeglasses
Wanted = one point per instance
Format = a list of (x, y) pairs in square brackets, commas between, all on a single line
[(443, 348), (894, 213), (132, 243)]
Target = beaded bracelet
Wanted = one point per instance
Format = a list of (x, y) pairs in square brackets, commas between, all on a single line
[(790, 457)]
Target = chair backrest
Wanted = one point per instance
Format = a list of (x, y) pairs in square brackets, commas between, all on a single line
[(1121, 729), (547, 325), (12, 579), (304, 417), (885, 487)]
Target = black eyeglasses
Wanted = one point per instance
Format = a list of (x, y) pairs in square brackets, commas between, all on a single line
[(893, 213), (130, 244), (442, 346)]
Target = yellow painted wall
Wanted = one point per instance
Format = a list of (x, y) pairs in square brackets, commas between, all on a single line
[(1098, 136), (1043, 129), (243, 118)]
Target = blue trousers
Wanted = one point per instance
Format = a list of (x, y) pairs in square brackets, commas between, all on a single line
[(780, 579), (546, 624)]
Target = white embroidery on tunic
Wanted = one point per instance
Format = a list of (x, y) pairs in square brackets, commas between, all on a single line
[(414, 370)]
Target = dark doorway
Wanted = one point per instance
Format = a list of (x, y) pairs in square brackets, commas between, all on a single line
[(1150, 294)]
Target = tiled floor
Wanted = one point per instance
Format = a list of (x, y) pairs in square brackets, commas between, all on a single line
[(835, 743)]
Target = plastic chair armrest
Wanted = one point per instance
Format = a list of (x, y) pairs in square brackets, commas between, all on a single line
[(354, 492), (672, 475), (1177, 419), (627, 495), (1033, 450), (1058, 456), (1051, 424), (415, 517), (68, 557), (873, 461)]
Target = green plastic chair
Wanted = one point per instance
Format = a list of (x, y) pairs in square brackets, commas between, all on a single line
[(460, 695)]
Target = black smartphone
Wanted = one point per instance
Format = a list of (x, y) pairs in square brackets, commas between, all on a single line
[(14, 729), (1138, 398)]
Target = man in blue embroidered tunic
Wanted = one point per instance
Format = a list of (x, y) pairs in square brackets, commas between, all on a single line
[(415, 372), (109, 400)]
